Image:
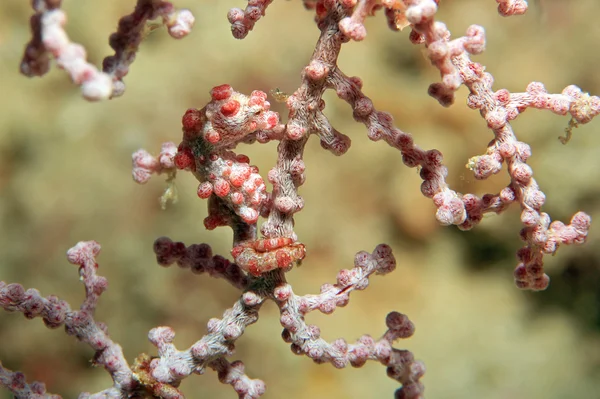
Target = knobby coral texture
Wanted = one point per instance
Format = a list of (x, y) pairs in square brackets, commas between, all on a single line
[(238, 194)]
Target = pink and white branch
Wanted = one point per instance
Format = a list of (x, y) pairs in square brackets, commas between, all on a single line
[(50, 38), (79, 323), (161, 375), (306, 339)]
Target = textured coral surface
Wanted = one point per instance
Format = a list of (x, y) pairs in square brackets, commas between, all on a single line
[(64, 177)]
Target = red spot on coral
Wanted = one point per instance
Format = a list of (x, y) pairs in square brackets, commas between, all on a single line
[(221, 92), (257, 98), (236, 251), (503, 96), (212, 221), (212, 136), (237, 198), (191, 120), (184, 159), (283, 259), (242, 158), (254, 268), (246, 171), (205, 190), (221, 188), (230, 108), (272, 120), (321, 10), (249, 188), (238, 177)]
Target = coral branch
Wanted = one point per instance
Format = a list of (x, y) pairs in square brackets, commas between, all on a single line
[(50, 38), (15, 383), (381, 261), (233, 374), (305, 118), (132, 30), (79, 323), (242, 21), (451, 57), (199, 258), (173, 365), (305, 339), (353, 26)]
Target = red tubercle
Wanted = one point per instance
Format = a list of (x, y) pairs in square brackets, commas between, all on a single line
[(246, 172), (258, 97), (205, 190), (221, 92), (236, 251), (212, 136), (191, 120), (321, 11), (502, 95), (283, 258), (230, 108), (221, 188), (248, 215), (249, 187), (184, 159), (239, 175), (253, 268), (242, 158), (272, 120), (282, 294), (236, 179), (237, 198), (257, 197), (213, 221)]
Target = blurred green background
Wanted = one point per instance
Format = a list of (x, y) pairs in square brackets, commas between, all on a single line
[(65, 177)]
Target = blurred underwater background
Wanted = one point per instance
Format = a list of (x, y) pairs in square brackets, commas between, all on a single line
[(65, 176)]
